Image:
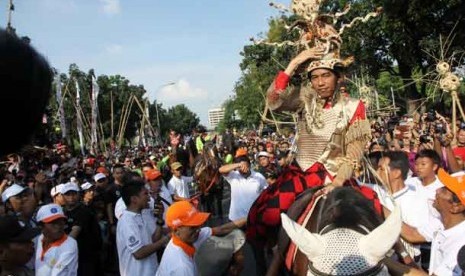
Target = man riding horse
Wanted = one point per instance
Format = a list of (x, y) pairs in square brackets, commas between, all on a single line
[(332, 131)]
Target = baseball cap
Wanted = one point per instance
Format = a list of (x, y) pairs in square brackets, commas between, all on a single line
[(183, 213), (455, 184), (49, 213), (11, 230), (101, 170), (86, 186), (13, 190), (241, 152), (69, 187), (176, 165), (57, 190), (152, 174), (263, 154), (99, 176)]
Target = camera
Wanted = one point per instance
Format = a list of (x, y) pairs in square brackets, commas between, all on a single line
[(439, 128), (424, 139), (430, 116), (392, 123)]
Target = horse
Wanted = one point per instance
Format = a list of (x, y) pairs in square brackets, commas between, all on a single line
[(341, 234), (207, 176)]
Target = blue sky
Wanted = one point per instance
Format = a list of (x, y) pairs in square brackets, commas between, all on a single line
[(194, 43)]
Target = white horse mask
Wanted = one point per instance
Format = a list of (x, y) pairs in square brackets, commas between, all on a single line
[(343, 251)]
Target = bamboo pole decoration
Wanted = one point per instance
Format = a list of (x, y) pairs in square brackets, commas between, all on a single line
[(120, 124), (125, 120), (450, 83), (144, 115)]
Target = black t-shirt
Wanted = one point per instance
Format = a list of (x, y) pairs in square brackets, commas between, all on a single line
[(89, 239)]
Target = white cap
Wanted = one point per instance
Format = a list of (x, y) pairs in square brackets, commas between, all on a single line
[(99, 176), (56, 190), (13, 190), (49, 213), (263, 154), (86, 186), (69, 187)]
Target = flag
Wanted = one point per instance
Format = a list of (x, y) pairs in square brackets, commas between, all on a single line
[(79, 118), (61, 110), (95, 92)]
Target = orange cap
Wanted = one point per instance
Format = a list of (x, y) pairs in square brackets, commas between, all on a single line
[(152, 174), (183, 213), (241, 152), (102, 170), (454, 183)]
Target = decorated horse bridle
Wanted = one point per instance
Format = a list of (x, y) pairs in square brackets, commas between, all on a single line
[(375, 270)]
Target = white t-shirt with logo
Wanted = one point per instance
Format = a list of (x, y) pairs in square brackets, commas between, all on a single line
[(134, 231), (61, 259)]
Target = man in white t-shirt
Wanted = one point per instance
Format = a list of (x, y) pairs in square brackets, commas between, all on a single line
[(179, 184), (137, 238), (393, 170), (246, 186), (185, 222), (450, 203), (425, 184), (56, 253)]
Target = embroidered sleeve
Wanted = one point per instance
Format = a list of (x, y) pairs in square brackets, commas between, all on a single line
[(281, 96)]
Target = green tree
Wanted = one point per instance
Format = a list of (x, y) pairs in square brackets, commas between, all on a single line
[(179, 118)]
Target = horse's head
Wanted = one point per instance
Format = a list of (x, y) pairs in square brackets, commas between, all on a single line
[(348, 243), (210, 149)]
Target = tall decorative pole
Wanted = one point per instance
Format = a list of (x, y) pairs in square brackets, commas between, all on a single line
[(450, 83), (9, 27)]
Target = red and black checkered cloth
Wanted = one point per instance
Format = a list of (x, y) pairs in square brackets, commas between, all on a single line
[(264, 219)]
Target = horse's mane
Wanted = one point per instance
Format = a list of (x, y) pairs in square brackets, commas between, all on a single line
[(345, 207), (206, 166)]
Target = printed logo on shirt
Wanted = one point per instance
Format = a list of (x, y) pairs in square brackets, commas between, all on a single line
[(133, 241)]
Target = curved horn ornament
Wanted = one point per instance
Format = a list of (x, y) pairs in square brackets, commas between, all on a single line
[(312, 245), (379, 241)]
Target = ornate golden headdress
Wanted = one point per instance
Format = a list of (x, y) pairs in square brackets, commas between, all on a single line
[(317, 30)]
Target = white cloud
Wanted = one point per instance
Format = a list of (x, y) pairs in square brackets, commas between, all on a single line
[(181, 91), (114, 49), (111, 7)]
